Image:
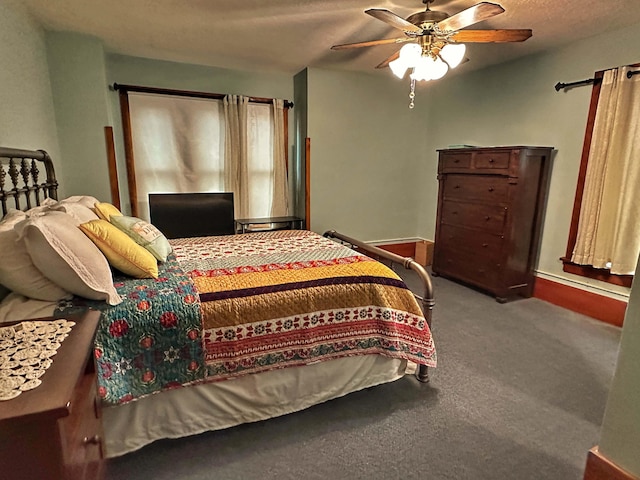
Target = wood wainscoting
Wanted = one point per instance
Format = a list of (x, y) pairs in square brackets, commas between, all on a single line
[(405, 249), (420, 250), (601, 468), (600, 307)]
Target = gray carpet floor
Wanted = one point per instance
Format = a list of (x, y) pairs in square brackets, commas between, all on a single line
[(519, 393)]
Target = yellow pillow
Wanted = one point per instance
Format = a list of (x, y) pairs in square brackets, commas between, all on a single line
[(105, 210), (121, 251)]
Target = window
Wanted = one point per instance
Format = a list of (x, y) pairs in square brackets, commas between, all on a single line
[(190, 142), (604, 239)]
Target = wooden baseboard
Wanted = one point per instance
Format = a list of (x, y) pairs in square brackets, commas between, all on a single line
[(601, 468), (603, 308), (405, 249)]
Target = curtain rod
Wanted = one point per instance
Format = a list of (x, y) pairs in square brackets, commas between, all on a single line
[(559, 86), (188, 93)]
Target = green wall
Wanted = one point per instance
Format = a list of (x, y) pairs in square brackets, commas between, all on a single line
[(299, 121), (367, 149), (516, 104), (620, 438), (27, 118), (78, 81)]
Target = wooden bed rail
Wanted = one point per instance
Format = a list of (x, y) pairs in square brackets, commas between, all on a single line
[(427, 300)]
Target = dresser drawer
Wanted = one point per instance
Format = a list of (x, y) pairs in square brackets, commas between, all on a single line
[(491, 202), (83, 432), (492, 160), (471, 241), (492, 189), (453, 162), (489, 218), (470, 267)]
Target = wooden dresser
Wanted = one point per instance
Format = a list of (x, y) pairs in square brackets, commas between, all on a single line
[(491, 203), (54, 431)]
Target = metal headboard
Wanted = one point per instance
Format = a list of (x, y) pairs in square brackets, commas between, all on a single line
[(20, 181)]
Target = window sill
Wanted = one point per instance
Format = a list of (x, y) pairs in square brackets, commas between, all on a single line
[(601, 274)]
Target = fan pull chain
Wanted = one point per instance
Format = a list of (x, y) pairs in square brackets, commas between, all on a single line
[(412, 93)]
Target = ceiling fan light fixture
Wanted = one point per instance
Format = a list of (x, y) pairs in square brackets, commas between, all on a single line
[(408, 58), (429, 68), (410, 53), (430, 54), (453, 53), (398, 67)]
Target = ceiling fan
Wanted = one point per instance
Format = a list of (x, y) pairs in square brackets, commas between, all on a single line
[(434, 41)]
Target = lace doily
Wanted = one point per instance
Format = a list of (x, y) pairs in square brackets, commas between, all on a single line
[(26, 351)]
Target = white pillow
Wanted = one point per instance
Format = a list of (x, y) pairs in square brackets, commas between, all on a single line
[(78, 210), (17, 271), (67, 257), (86, 200), (45, 206), (19, 307)]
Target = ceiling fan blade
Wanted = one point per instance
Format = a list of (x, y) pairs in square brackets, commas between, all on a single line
[(393, 20), (388, 60), (372, 43), (475, 14), (491, 36)]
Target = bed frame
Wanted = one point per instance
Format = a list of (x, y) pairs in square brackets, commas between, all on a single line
[(20, 188), (19, 179)]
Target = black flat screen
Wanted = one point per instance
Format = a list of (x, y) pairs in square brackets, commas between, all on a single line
[(181, 215)]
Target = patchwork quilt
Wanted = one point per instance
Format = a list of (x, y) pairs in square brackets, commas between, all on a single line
[(239, 304)]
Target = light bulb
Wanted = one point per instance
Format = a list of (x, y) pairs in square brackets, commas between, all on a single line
[(429, 69), (453, 53), (410, 53), (439, 69), (398, 67)]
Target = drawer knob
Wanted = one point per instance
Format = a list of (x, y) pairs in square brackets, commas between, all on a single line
[(94, 440), (485, 245), (491, 160), (457, 160), (456, 186), (487, 218), (491, 189)]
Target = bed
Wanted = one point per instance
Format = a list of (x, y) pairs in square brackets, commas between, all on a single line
[(229, 329)]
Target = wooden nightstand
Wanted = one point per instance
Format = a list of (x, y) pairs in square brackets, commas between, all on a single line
[(54, 431)]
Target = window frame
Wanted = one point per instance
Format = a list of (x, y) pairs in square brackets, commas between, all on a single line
[(123, 91), (601, 274)]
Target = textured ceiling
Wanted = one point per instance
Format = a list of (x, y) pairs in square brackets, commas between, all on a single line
[(289, 35)]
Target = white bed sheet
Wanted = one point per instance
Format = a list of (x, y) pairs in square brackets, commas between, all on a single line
[(16, 307), (215, 406), (193, 410)]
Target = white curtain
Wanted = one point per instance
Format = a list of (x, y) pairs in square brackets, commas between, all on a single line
[(236, 152), (256, 157), (184, 144), (178, 145), (279, 206), (609, 225)]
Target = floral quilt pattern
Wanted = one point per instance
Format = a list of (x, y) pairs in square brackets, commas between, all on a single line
[(227, 306), (150, 342)]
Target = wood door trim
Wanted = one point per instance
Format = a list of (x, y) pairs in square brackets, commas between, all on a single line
[(113, 168)]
